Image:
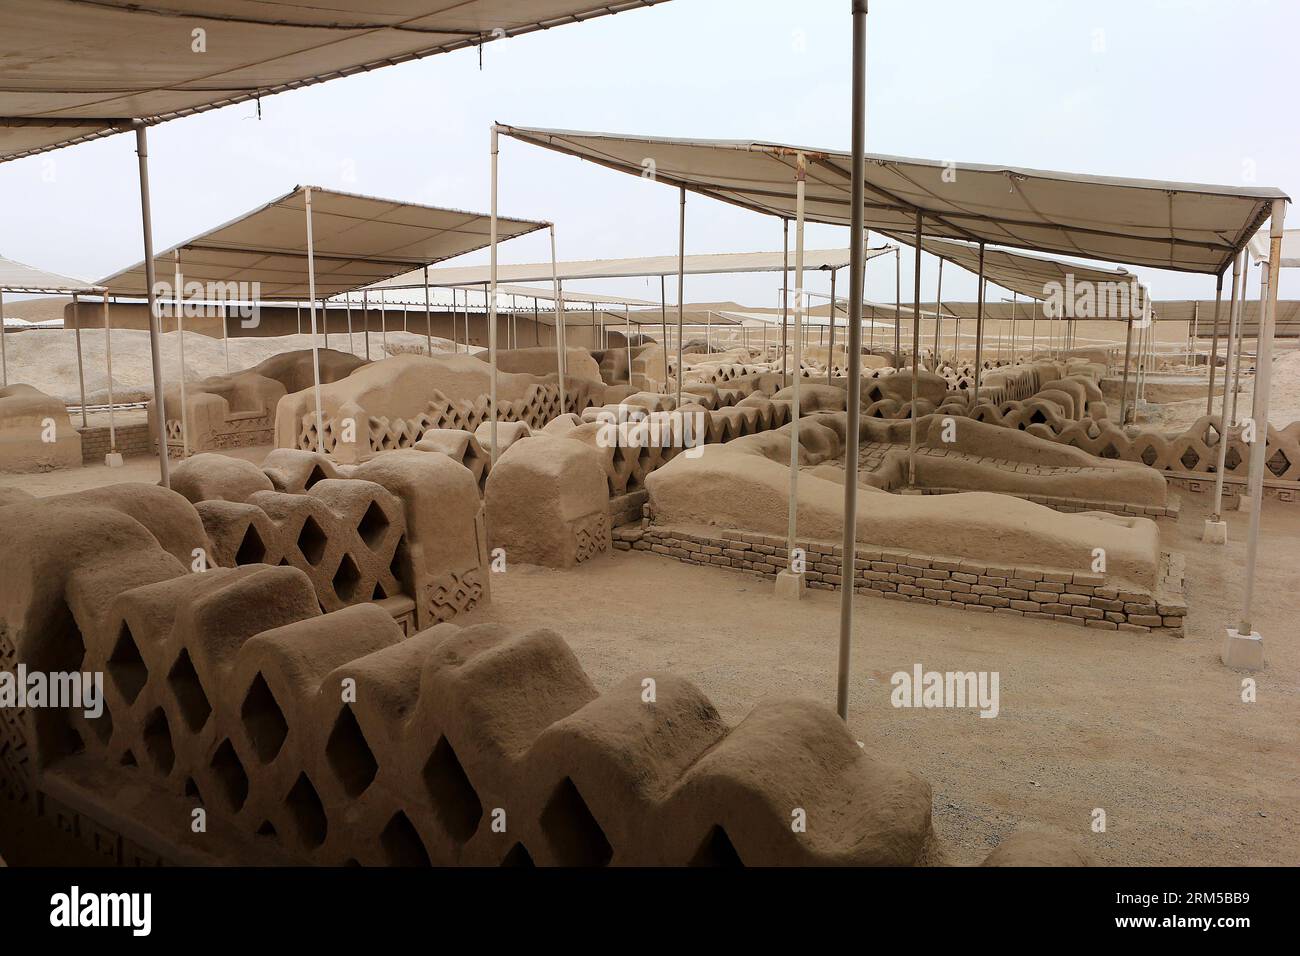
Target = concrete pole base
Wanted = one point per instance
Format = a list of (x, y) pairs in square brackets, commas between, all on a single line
[(1245, 503), (790, 585), (113, 459), (1216, 532), (1245, 651)]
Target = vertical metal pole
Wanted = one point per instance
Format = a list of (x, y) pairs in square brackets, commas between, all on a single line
[(853, 401), (492, 304), (559, 321), (428, 317), (108, 361), (1214, 347), (1263, 383), (796, 363), (979, 330), (4, 357), (347, 306), (537, 333), (365, 320), (81, 375), (1128, 361), (627, 339), (225, 334), (663, 318), (383, 323), (1241, 339), (785, 299), (155, 357), (1033, 328), (708, 331), (830, 350), (1234, 316), (938, 313), (916, 359), (179, 300), (898, 307), (681, 286), (315, 352)]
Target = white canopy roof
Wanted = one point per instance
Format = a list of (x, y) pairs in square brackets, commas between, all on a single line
[(19, 277), (357, 241), (72, 70), (1167, 225), (1018, 271), (1260, 247), (711, 263)]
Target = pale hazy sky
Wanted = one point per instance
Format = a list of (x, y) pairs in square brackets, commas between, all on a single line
[(1192, 90)]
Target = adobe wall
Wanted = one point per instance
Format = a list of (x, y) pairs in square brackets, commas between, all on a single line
[(35, 432)]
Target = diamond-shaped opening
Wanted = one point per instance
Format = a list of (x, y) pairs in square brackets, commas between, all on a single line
[(378, 594), (573, 833), (455, 803), (311, 541), (1278, 464), (1190, 459), (373, 526), (263, 720), (126, 666), (401, 843), (157, 737), (193, 703), (401, 560), (346, 579), (1149, 455), (230, 774), (192, 789), (716, 850), (518, 856), (315, 476), (128, 760), (252, 550), (1231, 458), (1108, 452), (307, 813), (349, 755), (267, 829)]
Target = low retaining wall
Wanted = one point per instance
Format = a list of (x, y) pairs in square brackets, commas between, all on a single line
[(1076, 597), (133, 441)]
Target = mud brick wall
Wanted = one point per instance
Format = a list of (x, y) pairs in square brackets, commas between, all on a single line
[(1075, 597), (1073, 505), (133, 441)]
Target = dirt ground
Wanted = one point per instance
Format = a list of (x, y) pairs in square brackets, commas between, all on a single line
[(1151, 730)]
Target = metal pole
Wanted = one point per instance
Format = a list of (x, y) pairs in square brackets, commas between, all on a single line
[(1263, 382), (898, 306), (108, 360), (627, 339), (1234, 316), (663, 318), (559, 320), (1214, 346), (325, 322), (155, 357), (225, 334), (81, 376), (1241, 340), (428, 317), (853, 401), (681, 285), (492, 305), (315, 352), (180, 335), (785, 298), (365, 320), (916, 359), (383, 323), (979, 330), (4, 358), (347, 306), (830, 349), (938, 312), (800, 176), (1128, 361)]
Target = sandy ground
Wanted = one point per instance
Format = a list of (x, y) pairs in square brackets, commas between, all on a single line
[(1152, 730)]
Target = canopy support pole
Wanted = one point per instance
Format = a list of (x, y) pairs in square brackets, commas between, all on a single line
[(111, 458), (830, 349), (559, 320), (1214, 344), (1225, 424), (155, 356), (785, 300), (492, 305), (1244, 647), (383, 323), (428, 317), (225, 334), (681, 287), (347, 306), (1033, 328), (663, 319), (979, 331), (938, 313), (81, 376), (179, 299), (1128, 361), (365, 320), (315, 352), (4, 357), (627, 339), (916, 360), (537, 333), (853, 401), (898, 307), (790, 582)]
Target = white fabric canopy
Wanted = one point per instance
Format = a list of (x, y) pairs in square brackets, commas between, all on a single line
[(1166, 225), (1260, 248), (19, 277), (72, 70), (1018, 271), (357, 241), (712, 263)]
